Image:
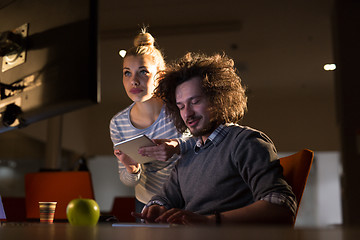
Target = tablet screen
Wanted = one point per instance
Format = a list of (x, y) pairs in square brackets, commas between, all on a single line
[(131, 146)]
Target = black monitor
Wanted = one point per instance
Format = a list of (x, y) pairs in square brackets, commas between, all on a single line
[(48, 59)]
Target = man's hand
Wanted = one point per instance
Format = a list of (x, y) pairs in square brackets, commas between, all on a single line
[(149, 214), (164, 149), (130, 165), (159, 214), (178, 216)]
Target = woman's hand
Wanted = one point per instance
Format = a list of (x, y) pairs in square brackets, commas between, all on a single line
[(164, 149), (130, 165)]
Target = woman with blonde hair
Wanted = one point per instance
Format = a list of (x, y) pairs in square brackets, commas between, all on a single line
[(142, 65)]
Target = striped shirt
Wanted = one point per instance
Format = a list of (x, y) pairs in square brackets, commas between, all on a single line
[(151, 177)]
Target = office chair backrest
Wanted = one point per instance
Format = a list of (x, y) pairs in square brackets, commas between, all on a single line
[(60, 187), (122, 208), (296, 169)]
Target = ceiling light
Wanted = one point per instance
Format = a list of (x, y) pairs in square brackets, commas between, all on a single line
[(122, 53), (330, 67)]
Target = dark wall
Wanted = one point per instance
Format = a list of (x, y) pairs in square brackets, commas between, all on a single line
[(347, 51)]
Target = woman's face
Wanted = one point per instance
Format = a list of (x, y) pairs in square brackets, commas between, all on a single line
[(139, 75)]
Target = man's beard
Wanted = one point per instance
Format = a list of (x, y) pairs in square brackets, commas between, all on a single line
[(207, 130)]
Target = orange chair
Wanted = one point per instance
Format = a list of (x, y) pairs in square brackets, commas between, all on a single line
[(296, 169), (60, 187)]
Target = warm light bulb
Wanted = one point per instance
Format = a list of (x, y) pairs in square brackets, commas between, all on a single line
[(330, 67), (122, 53)]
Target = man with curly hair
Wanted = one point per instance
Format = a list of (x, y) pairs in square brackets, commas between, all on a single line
[(233, 175)]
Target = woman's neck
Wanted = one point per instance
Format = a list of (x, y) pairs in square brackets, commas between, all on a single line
[(144, 114)]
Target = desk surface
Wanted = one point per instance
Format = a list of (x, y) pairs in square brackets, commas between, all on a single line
[(106, 231)]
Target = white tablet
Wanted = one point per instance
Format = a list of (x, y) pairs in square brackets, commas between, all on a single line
[(131, 146)]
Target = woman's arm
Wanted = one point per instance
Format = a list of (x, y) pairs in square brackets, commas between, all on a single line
[(129, 171)]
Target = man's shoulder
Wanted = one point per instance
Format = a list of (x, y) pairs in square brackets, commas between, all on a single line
[(245, 132), (240, 129)]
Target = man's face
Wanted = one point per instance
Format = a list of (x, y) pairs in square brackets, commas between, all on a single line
[(194, 108)]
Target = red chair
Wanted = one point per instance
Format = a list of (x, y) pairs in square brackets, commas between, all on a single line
[(122, 208), (14, 209), (60, 187), (296, 169)]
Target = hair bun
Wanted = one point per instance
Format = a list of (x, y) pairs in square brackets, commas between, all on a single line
[(144, 39)]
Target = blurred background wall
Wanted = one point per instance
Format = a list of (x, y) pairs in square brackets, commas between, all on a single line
[(279, 48)]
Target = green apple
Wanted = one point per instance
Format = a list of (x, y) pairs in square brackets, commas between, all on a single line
[(83, 212)]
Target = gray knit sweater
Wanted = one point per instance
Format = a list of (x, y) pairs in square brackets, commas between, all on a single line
[(239, 166)]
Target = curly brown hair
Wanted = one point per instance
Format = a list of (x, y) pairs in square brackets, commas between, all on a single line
[(220, 83)]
